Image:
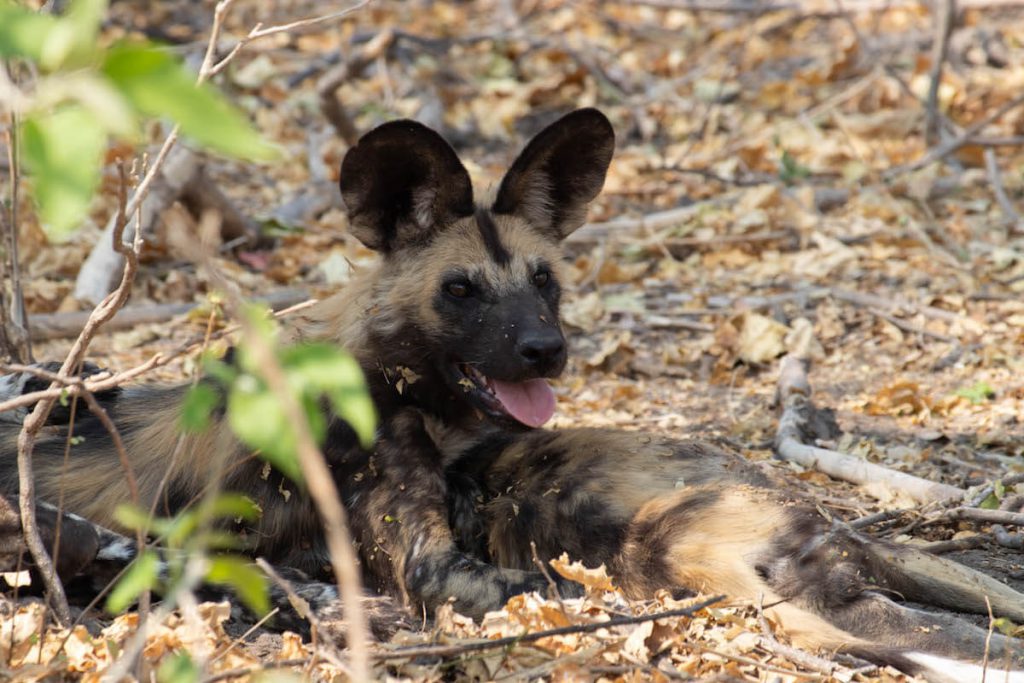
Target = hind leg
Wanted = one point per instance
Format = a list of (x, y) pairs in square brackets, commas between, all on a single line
[(823, 582)]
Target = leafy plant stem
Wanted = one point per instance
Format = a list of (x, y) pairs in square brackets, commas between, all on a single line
[(315, 472)]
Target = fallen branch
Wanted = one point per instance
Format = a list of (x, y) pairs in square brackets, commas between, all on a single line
[(1006, 539), (594, 232), (794, 395), (809, 9), (201, 194), (250, 671), (955, 545), (59, 325)]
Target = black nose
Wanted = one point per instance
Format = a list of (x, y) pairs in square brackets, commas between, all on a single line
[(542, 350)]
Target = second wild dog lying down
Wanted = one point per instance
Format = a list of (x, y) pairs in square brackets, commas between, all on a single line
[(457, 330)]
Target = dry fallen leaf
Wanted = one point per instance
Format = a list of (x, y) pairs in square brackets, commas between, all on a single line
[(596, 578)]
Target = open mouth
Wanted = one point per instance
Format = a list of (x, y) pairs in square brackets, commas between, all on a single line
[(530, 402)]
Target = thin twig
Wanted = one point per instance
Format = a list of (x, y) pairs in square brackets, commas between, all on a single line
[(258, 32), (868, 520), (911, 327), (37, 418), (995, 178), (457, 649), (105, 380), (799, 657), (244, 671), (945, 17), (953, 144), (303, 609)]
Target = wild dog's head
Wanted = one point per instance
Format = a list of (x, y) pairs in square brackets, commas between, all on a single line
[(468, 295)]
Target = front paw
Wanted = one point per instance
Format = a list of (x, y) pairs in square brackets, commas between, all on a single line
[(477, 587), (550, 586)]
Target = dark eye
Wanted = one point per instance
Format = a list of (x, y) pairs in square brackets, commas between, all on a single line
[(458, 289), (541, 278)]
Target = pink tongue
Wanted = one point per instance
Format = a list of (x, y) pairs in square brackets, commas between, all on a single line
[(531, 402)]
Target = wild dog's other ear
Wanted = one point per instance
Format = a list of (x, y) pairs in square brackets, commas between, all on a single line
[(558, 174), (401, 183)]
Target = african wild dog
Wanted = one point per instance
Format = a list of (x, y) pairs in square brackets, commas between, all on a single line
[(457, 330)]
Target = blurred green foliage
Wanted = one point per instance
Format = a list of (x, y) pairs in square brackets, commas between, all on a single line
[(86, 92)]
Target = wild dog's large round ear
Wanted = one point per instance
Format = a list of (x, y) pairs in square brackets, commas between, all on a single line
[(401, 183), (558, 174)]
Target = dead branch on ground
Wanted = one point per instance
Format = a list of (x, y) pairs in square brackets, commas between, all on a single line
[(794, 396), (1005, 517), (59, 325)]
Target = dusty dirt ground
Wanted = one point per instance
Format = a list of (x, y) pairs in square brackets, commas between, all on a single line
[(786, 140)]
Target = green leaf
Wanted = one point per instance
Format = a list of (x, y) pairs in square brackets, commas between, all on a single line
[(244, 578), (215, 539), (792, 170), (197, 407), (234, 506), (357, 409), (1004, 626), (979, 392), (219, 370), (991, 502), (74, 42), (324, 369), (255, 416), (158, 85), (141, 576), (63, 151), (135, 518), (96, 94), (23, 33), (178, 668)]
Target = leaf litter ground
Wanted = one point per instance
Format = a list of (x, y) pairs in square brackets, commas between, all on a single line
[(774, 136)]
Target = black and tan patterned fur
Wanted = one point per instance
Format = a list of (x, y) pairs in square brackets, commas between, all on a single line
[(448, 501)]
